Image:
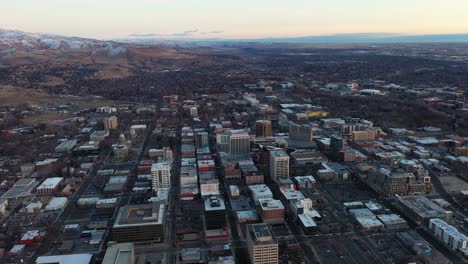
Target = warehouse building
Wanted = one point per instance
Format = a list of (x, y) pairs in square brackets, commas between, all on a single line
[(20, 189), (420, 209), (392, 221), (366, 219), (49, 186), (414, 242)]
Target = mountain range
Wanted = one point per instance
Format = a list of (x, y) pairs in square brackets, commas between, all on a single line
[(14, 40)]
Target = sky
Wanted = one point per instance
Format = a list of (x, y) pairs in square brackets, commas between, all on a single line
[(107, 19)]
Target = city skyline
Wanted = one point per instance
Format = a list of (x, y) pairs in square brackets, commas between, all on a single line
[(244, 19)]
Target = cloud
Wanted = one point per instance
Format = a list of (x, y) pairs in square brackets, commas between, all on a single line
[(186, 33), (145, 35), (212, 32)]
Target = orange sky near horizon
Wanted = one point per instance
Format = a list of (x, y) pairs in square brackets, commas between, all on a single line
[(105, 19)]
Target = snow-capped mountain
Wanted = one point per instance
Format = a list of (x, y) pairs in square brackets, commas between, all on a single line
[(13, 40)]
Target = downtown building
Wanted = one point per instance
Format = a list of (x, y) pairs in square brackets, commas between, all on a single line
[(279, 165), (391, 183), (263, 128), (303, 133), (161, 174), (449, 235), (261, 244), (234, 142), (110, 123), (215, 213), (271, 210), (143, 223)]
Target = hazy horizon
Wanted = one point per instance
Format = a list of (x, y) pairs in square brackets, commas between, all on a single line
[(107, 19)]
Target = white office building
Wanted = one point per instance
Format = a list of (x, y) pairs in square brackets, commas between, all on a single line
[(279, 165), (161, 173)]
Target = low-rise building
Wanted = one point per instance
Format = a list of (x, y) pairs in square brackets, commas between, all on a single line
[(414, 242), (307, 223), (99, 136), (119, 253), (50, 185), (260, 191), (271, 210), (392, 221), (305, 182), (85, 258), (420, 209), (20, 189)]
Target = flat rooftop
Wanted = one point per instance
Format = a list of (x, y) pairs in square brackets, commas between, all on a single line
[(261, 234), (260, 189), (423, 206), (270, 204), (50, 183), (65, 259), (290, 194), (141, 214), (121, 253), (214, 204), (391, 219), (160, 166), (369, 222), (307, 220), (21, 188), (303, 179), (278, 154)]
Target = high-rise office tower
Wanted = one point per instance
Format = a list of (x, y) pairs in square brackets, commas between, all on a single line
[(110, 123), (301, 132), (263, 128), (336, 147), (234, 142), (239, 144), (279, 165), (161, 173)]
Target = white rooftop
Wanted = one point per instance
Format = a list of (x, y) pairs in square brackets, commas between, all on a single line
[(50, 183), (65, 259), (307, 220), (305, 178), (290, 194), (138, 127), (56, 203), (367, 222), (270, 204), (260, 188), (160, 166), (30, 235), (391, 219)]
